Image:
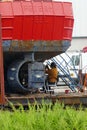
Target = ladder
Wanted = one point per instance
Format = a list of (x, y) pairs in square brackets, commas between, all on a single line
[(64, 73)]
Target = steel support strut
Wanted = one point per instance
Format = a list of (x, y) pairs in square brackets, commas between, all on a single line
[(2, 94)]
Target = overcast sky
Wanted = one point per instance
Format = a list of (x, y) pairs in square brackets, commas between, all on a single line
[(80, 17)]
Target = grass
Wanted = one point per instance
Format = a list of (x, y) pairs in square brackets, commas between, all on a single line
[(45, 117)]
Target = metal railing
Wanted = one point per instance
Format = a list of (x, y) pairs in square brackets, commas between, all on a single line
[(64, 72)]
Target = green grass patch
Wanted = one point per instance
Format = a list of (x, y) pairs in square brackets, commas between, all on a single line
[(44, 117)]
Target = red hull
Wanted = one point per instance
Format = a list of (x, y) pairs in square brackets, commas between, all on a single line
[(28, 20)]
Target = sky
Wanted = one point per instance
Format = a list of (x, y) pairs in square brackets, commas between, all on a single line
[(80, 17)]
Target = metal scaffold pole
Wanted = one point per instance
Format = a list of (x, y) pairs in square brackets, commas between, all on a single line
[(2, 94)]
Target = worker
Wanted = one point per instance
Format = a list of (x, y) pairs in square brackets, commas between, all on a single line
[(52, 72)]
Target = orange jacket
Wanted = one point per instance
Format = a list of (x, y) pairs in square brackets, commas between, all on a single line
[(52, 75)]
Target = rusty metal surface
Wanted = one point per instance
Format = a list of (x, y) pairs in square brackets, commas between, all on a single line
[(2, 96), (67, 99), (73, 98), (35, 46)]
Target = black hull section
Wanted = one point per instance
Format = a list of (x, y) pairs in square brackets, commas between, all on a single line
[(19, 54)]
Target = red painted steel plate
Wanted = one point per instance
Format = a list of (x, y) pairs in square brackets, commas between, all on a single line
[(84, 49), (29, 20)]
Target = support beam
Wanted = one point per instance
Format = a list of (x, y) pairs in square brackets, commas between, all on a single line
[(2, 94)]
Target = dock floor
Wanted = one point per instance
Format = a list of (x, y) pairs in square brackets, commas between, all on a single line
[(71, 98)]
